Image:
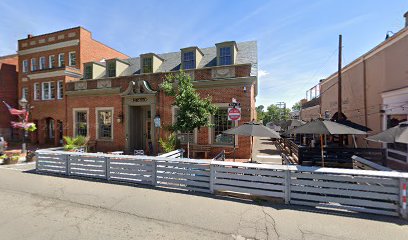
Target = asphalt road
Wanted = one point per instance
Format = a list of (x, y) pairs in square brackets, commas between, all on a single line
[(47, 207)]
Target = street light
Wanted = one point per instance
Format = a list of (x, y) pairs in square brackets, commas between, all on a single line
[(24, 105)]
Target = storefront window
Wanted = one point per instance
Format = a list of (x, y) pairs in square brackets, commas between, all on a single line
[(221, 124), (81, 123), (105, 124)]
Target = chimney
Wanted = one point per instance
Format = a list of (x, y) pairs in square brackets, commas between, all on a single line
[(30, 35), (406, 19)]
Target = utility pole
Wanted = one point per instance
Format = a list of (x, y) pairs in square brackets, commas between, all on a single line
[(339, 100), (282, 106)]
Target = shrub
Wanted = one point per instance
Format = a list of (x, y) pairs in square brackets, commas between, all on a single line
[(169, 144)]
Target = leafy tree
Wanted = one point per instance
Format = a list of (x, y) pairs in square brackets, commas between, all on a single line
[(272, 114), (259, 112), (194, 111), (296, 107)]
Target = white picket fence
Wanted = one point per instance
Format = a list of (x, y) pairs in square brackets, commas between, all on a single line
[(376, 192)]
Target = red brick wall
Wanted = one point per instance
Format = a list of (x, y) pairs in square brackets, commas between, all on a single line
[(8, 91)]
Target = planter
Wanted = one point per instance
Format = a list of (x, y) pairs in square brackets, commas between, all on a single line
[(10, 161), (30, 157)]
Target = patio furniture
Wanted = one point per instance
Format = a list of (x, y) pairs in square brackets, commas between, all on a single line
[(200, 149), (138, 152), (117, 153)]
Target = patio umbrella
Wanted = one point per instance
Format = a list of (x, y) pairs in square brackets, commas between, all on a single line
[(252, 129), (326, 127), (292, 123), (398, 133)]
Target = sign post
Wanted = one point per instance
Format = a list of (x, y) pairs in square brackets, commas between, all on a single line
[(234, 114)]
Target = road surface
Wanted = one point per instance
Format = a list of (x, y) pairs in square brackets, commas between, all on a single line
[(45, 207)]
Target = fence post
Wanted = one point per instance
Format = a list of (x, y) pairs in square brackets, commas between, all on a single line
[(212, 177), (154, 173), (287, 186), (37, 156), (403, 198), (107, 168), (68, 162)]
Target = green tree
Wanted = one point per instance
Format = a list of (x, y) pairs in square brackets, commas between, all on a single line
[(194, 111), (260, 112), (274, 114), (297, 106)]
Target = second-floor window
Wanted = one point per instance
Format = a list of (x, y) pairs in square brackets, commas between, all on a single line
[(188, 60), (33, 64), (37, 91), (25, 66), (24, 93), (60, 89), (72, 59), (61, 60), (42, 63), (111, 69), (88, 72), (51, 63), (48, 90), (225, 56), (147, 65)]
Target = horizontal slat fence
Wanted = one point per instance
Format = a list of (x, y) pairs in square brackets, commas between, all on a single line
[(378, 192)]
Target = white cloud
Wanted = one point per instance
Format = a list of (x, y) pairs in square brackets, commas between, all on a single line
[(262, 73)]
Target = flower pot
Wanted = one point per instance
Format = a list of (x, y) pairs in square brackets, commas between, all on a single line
[(11, 160)]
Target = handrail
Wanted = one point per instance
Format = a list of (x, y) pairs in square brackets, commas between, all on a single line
[(174, 154), (367, 164), (220, 156)]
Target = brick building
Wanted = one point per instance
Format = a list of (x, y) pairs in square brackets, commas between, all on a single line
[(122, 97), (8, 92), (46, 64)]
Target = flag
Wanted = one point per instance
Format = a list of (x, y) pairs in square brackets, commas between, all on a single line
[(14, 111), (21, 125)]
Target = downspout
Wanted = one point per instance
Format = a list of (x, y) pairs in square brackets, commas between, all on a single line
[(365, 95)]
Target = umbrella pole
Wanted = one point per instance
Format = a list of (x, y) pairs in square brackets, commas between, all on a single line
[(234, 147), (321, 147), (252, 145)]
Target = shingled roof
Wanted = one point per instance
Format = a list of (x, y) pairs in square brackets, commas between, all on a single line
[(247, 53)]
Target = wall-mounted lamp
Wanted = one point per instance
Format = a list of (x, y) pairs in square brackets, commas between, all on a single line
[(157, 121), (245, 89), (119, 119)]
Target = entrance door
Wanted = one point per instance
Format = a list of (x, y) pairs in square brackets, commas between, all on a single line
[(137, 128)]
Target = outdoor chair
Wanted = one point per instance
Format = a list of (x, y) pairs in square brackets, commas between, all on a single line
[(117, 153), (138, 152)]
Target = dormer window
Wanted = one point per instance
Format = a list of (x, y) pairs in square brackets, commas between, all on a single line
[(88, 72), (147, 65), (225, 56), (188, 60), (111, 69)]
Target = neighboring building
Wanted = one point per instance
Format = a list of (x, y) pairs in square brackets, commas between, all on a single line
[(8, 92), (46, 64), (374, 93), (117, 100)]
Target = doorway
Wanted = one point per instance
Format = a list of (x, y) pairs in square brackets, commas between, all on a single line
[(139, 133)]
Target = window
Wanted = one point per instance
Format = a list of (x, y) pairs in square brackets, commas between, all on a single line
[(147, 65), (221, 124), (48, 90), (33, 64), (72, 59), (188, 60), (225, 56), (61, 60), (81, 123), (42, 63), (37, 91), (51, 61), (24, 93), (25, 66), (397, 150), (104, 124), (111, 69), (88, 72), (60, 89)]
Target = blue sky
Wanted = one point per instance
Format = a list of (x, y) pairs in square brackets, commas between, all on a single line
[(297, 40)]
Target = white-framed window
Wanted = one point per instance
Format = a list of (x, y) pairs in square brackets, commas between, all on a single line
[(188, 60), (48, 90), (184, 137), (72, 59), (111, 69), (42, 63), (37, 91), (225, 56), (88, 72), (25, 66), (147, 65), (24, 93), (61, 60), (221, 123), (104, 123), (51, 61), (60, 89), (81, 121), (33, 64)]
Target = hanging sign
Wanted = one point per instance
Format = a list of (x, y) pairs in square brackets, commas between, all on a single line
[(234, 114)]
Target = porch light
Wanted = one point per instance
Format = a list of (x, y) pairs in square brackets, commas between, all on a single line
[(119, 119), (23, 102), (157, 122)]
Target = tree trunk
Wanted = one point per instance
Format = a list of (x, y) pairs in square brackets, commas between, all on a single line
[(188, 144)]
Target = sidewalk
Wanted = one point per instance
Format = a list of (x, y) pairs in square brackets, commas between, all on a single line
[(264, 151)]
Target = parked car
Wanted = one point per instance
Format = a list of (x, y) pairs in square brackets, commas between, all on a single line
[(3, 145)]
